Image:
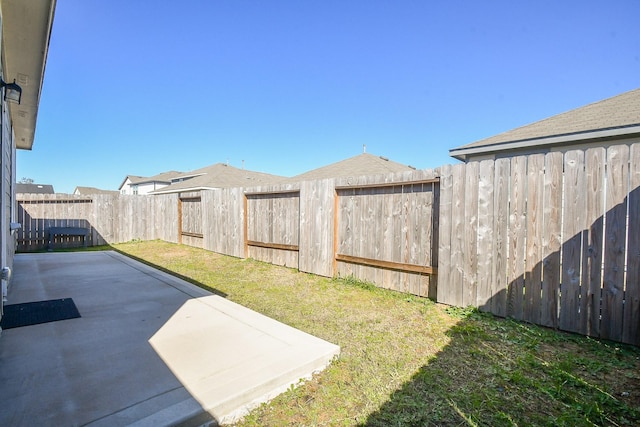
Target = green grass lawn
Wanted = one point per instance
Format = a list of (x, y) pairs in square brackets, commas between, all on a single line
[(407, 361)]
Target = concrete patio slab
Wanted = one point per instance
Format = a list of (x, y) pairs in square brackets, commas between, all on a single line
[(149, 350)]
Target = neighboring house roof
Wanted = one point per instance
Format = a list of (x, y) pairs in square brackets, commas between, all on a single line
[(219, 175), (612, 118), (92, 190), (26, 31), (34, 188), (164, 177), (362, 164)]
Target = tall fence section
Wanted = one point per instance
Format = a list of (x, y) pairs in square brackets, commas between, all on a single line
[(552, 239)]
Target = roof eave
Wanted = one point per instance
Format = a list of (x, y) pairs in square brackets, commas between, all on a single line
[(545, 142), (26, 32)]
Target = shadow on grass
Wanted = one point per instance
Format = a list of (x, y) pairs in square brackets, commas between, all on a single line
[(498, 372)]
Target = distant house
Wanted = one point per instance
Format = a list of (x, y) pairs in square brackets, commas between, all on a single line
[(85, 191), (218, 175), (133, 184), (34, 189), (611, 121), (360, 165)]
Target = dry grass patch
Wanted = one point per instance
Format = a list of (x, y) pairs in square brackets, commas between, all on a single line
[(408, 361)]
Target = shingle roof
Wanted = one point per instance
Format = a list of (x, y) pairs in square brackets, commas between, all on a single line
[(362, 164), (34, 188), (619, 113), (161, 177), (93, 190), (219, 175)]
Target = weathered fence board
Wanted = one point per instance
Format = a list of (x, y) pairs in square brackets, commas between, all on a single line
[(470, 235), (445, 289), (317, 210), (614, 247), (592, 275), (631, 318), (485, 230), (533, 259), (517, 229), (573, 224), (551, 238)]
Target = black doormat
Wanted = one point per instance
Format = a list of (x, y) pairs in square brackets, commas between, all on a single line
[(33, 313)]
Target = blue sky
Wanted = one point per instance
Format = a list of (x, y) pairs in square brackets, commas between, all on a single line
[(142, 87)]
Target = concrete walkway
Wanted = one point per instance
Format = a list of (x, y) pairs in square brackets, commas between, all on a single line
[(149, 349)]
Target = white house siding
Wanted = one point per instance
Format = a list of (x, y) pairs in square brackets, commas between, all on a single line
[(142, 188)]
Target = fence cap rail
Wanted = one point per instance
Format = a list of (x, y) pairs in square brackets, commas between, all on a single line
[(435, 180)]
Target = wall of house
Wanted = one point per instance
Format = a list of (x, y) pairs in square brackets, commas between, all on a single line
[(139, 189), (7, 178)]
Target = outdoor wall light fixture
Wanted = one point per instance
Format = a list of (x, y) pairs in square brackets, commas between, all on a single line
[(12, 92)]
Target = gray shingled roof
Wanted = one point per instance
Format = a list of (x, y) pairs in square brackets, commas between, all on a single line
[(219, 175), (34, 188), (360, 165), (161, 177), (93, 190), (617, 115)]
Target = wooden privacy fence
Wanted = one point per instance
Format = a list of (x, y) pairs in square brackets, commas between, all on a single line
[(108, 219), (552, 239), (344, 227), (190, 219), (384, 234)]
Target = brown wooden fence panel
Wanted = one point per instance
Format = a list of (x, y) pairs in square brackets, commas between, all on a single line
[(384, 231), (273, 225)]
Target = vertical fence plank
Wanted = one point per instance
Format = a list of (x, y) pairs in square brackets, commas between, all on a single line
[(517, 233), (470, 235), (552, 238), (485, 235), (572, 233), (631, 319), (457, 236), (533, 266), (592, 275), (614, 248), (444, 236), (501, 236)]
